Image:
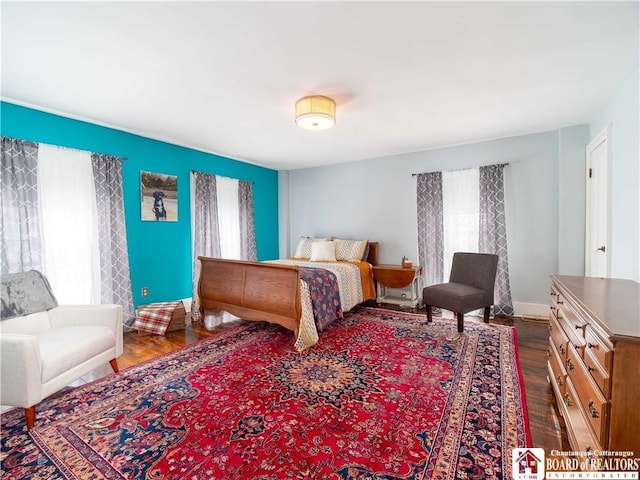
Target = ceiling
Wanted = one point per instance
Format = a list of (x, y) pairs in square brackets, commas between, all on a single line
[(223, 77)]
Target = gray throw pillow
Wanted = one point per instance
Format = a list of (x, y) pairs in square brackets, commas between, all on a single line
[(25, 293)]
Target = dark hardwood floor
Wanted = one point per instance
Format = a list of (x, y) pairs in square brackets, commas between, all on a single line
[(547, 426)]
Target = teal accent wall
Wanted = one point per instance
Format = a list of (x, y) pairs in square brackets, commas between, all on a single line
[(159, 252)]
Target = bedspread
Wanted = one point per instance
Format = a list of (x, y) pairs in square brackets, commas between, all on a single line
[(347, 275), (320, 307), (325, 295)]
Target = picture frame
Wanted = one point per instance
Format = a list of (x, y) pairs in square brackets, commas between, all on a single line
[(158, 197)]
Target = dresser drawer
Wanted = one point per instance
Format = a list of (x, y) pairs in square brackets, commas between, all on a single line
[(555, 302), (555, 295), (573, 325), (598, 373), (594, 405), (558, 339), (602, 352), (581, 435), (556, 369)]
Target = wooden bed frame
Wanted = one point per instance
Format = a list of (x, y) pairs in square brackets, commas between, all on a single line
[(254, 290)]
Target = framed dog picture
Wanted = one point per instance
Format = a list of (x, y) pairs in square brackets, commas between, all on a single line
[(159, 197)]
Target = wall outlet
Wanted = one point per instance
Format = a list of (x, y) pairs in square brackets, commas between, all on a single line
[(145, 291)]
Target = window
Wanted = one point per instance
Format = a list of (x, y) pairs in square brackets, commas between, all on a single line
[(69, 224), (460, 213)]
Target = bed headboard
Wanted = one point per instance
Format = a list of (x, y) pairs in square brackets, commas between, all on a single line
[(372, 256)]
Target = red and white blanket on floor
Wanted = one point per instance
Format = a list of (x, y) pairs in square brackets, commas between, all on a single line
[(155, 318)]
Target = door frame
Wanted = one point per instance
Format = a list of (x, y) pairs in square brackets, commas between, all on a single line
[(603, 137)]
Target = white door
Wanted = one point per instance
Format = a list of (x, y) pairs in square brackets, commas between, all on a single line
[(597, 252)]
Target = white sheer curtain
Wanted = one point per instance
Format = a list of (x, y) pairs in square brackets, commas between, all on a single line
[(229, 217), (69, 224), (461, 213)]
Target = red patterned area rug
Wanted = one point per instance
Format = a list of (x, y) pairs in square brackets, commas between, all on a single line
[(383, 395)]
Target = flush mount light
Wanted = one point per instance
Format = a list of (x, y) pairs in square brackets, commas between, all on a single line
[(315, 112)]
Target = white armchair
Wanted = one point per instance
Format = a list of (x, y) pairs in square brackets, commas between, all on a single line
[(43, 352)]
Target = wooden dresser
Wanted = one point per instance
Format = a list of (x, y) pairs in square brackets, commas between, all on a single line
[(594, 361)]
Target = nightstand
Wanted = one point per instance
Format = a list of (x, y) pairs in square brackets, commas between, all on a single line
[(407, 280)]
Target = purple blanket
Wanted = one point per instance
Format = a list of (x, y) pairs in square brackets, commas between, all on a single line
[(325, 295)]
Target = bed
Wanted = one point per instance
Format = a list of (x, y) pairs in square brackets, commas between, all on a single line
[(282, 291)]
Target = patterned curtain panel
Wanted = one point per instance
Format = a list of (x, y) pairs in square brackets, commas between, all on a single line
[(493, 232), (205, 225), (248, 250), (20, 234), (430, 227), (115, 276)]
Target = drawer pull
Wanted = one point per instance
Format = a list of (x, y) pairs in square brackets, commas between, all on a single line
[(548, 352), (561, 349), (593, 345), (593, 410), (590, 368), (570, 364), (559, 379), (567, 400), (579, 327)]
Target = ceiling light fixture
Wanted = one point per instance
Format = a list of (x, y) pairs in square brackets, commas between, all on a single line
[(315, 112)]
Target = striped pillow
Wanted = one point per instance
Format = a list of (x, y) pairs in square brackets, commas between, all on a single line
[(350, 250)]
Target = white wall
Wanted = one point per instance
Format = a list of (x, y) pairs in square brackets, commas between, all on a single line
[(622, 115), (376, 199), (284, 231), (571, 199)]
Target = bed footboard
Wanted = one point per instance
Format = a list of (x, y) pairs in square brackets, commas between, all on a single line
[(251, 290)]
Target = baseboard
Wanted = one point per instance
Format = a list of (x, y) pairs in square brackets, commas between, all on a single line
[(531, 310)]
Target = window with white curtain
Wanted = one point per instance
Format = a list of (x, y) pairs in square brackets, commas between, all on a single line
[(222, 222), (229, 217), (463, 211), (63, 214), (69, 224), (460, 213)]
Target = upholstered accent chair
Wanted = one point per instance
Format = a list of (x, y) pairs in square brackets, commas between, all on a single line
[(44, 347), (470, 287)]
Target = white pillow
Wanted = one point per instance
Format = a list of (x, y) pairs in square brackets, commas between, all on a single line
[(323, 251)]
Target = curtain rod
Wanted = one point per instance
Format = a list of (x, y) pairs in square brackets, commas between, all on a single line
[(458, 169), (225, 176), (121, 158)]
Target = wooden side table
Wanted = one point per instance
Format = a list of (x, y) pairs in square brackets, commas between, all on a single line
[(398, 278)]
